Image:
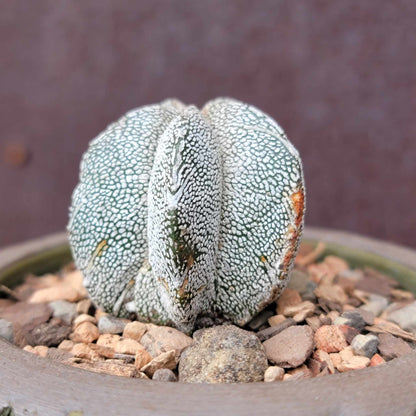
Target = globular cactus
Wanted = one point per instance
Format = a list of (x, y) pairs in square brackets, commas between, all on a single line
[(182, 213)]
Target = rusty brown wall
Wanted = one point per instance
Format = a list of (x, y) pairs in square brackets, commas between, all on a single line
[(339, 76)]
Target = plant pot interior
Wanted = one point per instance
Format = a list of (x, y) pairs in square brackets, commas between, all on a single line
[(50, 254)]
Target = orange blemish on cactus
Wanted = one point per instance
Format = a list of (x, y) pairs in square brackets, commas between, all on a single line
[(298, 205)]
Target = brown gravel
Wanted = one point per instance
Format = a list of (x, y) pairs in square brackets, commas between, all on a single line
[(307, 333)]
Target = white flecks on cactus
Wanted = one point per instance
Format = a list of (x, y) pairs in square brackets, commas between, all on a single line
[(182, 213)]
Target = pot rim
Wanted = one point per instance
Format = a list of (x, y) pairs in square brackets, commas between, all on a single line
[(37, 386)]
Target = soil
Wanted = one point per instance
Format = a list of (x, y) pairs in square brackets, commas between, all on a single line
[(330, 319)]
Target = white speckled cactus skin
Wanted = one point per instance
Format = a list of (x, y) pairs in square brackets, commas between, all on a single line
[(182, 213)]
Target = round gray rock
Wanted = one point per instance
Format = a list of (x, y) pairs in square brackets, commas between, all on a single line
[(365, 345), (63, 310), (164, 374), (405, 317), (223, 354)]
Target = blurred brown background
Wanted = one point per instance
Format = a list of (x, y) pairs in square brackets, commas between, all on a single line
[(339, 76)]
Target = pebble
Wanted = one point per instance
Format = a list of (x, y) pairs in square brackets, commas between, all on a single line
[(70, 288), (298, 281), (300, 311), (336, 264), (336, 359), (39, 350), (85, 332), (276, 320), (274, 373), (298, 373), (354, 363), (108, 324), (374, 283), (223, 354), (24, 314), (291, 347), (320, 271), (323, 357), (164, 374), (347, 353), (6, 330), (309, 292), (50, 334), (165, 360), (135, 330), (142, 358), (84, 318), (108, 340), (66, 345), (368, 316), (115, 368), (82, 350), (392, 347), (127, 346), (332, 293), (107, 352), (63, 310), (399, 294), (405, 317), (315, 366), (159, 339), (376, 304), (354, 319), (376, 360), (289, 297), (267, 333), (349, 332), (330, 338), (365, 345), (314, 322), (332, 316)]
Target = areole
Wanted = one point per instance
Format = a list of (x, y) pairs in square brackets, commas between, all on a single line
[(33, 385)]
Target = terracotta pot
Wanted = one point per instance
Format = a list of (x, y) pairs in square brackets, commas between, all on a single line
[(33, 385)]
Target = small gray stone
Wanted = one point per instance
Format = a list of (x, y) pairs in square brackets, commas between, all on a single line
[(164, 374), (223, 354), (365, 345), (109, 324), (405, 317), (354, 319), (63, 310), (376, 304), (6, 330), (291, 347)]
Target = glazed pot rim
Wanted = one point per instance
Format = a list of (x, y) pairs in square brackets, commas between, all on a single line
[(60, 388)]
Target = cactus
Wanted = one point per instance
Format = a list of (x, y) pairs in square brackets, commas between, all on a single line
[(181, 213)]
